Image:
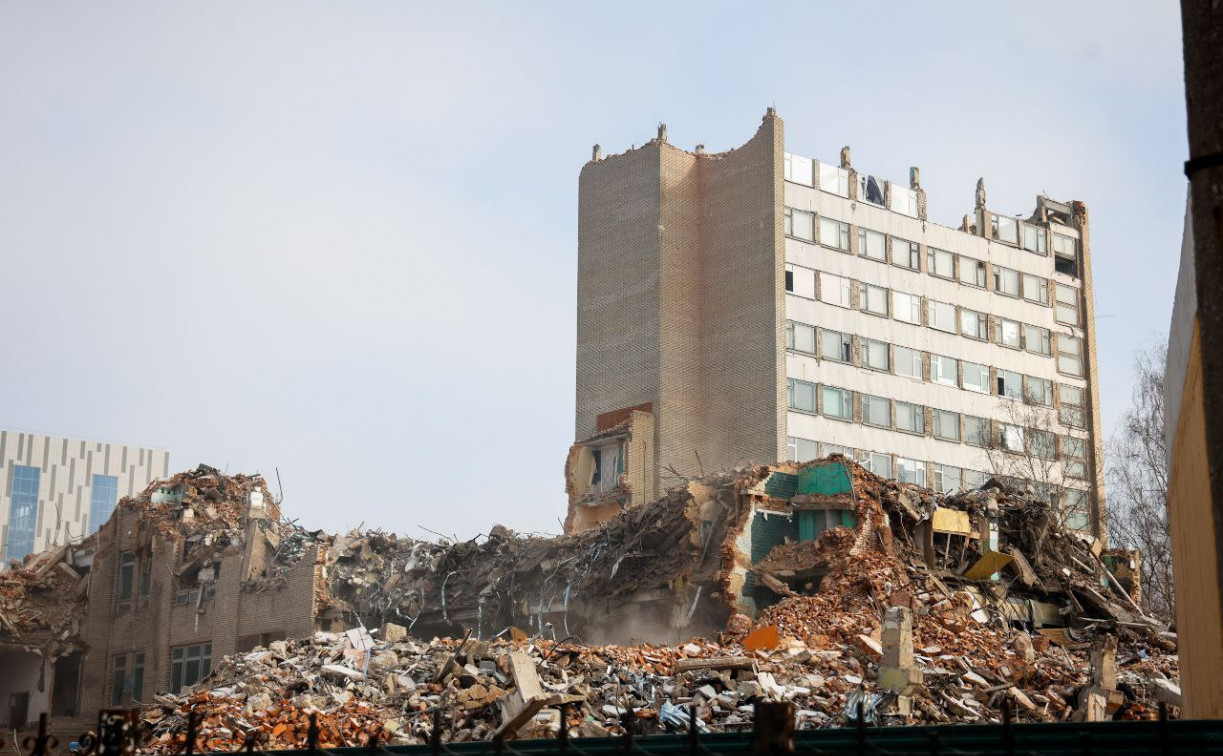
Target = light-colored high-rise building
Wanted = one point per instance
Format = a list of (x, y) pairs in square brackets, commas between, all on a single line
[(59, 489), (756, 305)]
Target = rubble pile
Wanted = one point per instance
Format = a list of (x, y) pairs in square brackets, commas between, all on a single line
[(42, 600)]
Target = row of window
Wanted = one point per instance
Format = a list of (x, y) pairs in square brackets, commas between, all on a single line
[(945, 478), (23, 508), (892, 414), (835, 180), (873, 354), (188, 665), (840, 291)]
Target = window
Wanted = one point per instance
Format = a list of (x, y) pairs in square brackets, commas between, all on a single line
[(1034, 239), (127, 679), (903, 200), (976, 431), (974, 479), (976, 377), (1035, 288), (879, 464), (906, 254), (800, 337), (800, 281), (1037, 390), (844, 451), (1008, 333), (876, 411), (940, 263), (104, 494), (23, 512), (797, 169), (910, 418), (872, 244), (801, 395), (1065, 255), (875, 354), (1074, 507), (871, 189), (146, 579), (1044, 443), (1004, 229), (947, 425), (802, 450), (906, 307), (1011, 437), (943, 370), (1006, 281), (1074, 457), (1036, 339), (836, 346), (974, 325), (1069, 355), (972, 272), (1071, 411), (1067, 309), (942, 316), (835, 290), (189, 665), (127, 581), (1010, 384), (834, 233), (834, 180), (948, 478), (874, 299), (800, 224), (838, 403), (910, 471), (908, 362)]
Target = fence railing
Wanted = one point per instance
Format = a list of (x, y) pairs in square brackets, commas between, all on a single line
[(120, 731)]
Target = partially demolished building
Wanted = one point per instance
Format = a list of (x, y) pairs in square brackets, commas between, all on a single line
[(201, 574)]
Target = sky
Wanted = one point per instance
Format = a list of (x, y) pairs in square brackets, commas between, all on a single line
[(339, 240)]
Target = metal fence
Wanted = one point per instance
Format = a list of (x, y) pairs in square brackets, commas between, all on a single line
[(119, 732)]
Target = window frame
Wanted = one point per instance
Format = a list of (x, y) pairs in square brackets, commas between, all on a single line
[(790, 215), (870, 403), (793, 393), (1000, 274), (936, 306), (937, 373), (982, 324), (865, 350), (914, 301), (912, 255), (846, 401), (897, 360), (983, 372), (867, 299), (933, 254), (937, 421), (1000, 330), (910, 410), (842, 234), (865, 234), (845, 346)]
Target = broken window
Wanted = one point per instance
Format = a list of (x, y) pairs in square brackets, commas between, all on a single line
[(974, 479), (1008, 333), (800, 224), (834, 233), (127, 581), (802, 450), (1035, 288), (1034, 239), (1069, 355), (972, 272), (836, 346), (1004, 229), (906, 254), (876, 410), (976, 377), (879, 464), (798, 169), (910, 471), (1006, 281), (800, 337), (942, 316), (1044, 443), (1036, 340), (801, 395), (1010, 384), (838, 403), (976, 430), (1072, 405), (608, 466), (1011, 437), (127, 679), (189, 665), (947, 478), (800, 281), (874, 299), (789, 279), (1067, 309), (1074, 457), (872, 189), (872, 244), (906, 307), (910, 418), (908, 362), (835, 290), (1066, 255), (1037, 390), (940, 263), (974, 325), (943, 370), (838, 449), (834, 180), (875, 354), (947, 425)]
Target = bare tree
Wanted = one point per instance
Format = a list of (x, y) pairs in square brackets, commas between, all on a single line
[(1136, 467)]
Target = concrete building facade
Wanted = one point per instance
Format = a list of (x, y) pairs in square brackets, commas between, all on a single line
[(58, 489), (768, 306)]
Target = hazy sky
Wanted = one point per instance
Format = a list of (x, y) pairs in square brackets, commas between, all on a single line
[(339, 238)]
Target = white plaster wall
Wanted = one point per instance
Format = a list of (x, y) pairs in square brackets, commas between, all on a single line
[(19, 672)]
